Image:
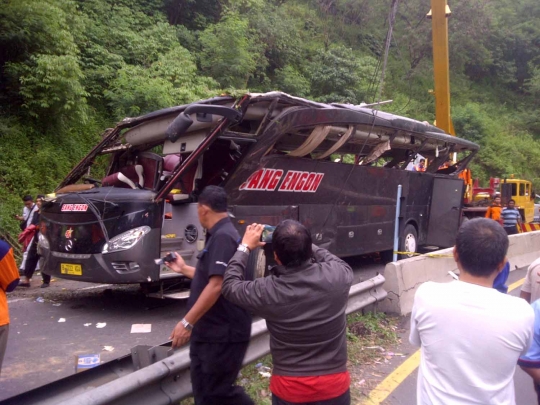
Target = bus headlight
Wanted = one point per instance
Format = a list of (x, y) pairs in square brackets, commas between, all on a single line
[(125, 240)]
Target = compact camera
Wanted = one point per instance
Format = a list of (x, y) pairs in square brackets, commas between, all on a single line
[(169, 258), (266, 235)]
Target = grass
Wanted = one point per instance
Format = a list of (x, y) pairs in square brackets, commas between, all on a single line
[(368, 338)]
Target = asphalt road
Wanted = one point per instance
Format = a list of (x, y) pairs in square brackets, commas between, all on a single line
[(41, 349), (405, 393)]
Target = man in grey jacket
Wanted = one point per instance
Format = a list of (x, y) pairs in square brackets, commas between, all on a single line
[(304, 304)]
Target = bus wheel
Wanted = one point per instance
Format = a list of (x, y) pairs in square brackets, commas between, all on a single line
[(408, 242), (256, 265)]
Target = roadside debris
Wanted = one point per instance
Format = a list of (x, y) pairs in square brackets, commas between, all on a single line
[(87, 324), (141, 328), (40, 299), (100, 325), (108, 348), (56, 304), (62, 320), (86, 361)]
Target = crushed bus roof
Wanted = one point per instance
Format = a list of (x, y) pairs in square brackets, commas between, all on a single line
[(277, 121)]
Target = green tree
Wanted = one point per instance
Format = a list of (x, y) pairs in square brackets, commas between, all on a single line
[(171, 80), (229, 52)]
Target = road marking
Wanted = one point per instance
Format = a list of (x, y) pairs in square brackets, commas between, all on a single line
[(16, 300), (515, 285), (396, 377), (393, 380)]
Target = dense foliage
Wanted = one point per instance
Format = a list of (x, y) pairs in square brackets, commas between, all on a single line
[(70, 68)]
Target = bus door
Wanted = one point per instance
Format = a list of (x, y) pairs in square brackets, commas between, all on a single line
[(445, 211)]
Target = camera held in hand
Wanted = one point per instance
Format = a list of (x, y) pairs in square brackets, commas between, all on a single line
[(266, 235), (171, 257)]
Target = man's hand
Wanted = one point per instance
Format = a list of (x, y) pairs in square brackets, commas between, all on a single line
[(178, 265), (179, 336), (252, 236), (18, 217)]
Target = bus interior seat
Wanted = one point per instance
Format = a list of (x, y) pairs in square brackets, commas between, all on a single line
[(188, 185), (170, 163), (135, 173), (152, 164), (118, 179)]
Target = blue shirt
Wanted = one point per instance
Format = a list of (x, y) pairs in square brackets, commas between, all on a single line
[(502, 277), (510, 216), (532, 358)]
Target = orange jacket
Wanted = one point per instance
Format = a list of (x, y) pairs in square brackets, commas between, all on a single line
[(494, 212), (9, 278)]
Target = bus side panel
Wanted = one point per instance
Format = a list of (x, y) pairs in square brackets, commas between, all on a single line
[(416, 202), (245, 215)]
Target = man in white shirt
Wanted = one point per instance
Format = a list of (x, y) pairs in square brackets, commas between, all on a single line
[(471, 335), (530, 290)]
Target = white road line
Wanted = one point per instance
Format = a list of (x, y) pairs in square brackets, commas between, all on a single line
[(16, 300)]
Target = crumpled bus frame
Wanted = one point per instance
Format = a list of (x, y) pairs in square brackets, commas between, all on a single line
[(275, 155)]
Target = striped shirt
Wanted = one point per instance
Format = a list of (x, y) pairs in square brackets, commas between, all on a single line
[(510, 216)]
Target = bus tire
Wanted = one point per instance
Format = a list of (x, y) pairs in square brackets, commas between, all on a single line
[(256, 265), (408, 242)]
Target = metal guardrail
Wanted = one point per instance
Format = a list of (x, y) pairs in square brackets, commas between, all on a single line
[(166, 381)]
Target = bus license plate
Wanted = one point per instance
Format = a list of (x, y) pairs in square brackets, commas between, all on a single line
[(71, 269)]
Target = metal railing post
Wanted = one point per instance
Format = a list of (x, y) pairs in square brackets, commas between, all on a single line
[(396, 225)]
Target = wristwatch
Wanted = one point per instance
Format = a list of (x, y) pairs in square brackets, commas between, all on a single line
[(243, 248), (187, 325)]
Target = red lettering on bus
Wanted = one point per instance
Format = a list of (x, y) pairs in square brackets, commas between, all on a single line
[(286, 180), (275, 180), (254, 182), (245, 184), (316, 182), (269, 179), (294, 180), (301, 181), (309, 182), (266, 177)]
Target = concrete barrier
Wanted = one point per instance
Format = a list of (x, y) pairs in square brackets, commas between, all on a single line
[(405, 276)]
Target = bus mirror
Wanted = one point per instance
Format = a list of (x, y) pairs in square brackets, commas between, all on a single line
[(181, 123), (178, 127)]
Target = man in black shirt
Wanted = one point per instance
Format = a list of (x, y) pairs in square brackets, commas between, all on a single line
[(219, 330)]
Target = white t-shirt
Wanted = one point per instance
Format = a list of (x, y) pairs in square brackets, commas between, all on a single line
[(471, 338), (531, 284)]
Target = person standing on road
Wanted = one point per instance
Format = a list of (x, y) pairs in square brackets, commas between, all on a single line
[(9, 278), (511, 218), (530, 290), (494, 210), (530, 362), (304, 304), (29, 207), (32, 258), (218, 329), (25, 221), (470, 335)]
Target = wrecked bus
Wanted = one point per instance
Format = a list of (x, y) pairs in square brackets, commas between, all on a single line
[(333, 167)]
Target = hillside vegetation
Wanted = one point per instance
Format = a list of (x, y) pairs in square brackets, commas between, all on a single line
[(71, 68)]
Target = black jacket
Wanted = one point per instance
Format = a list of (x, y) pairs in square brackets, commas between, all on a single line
[(304, 308)]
